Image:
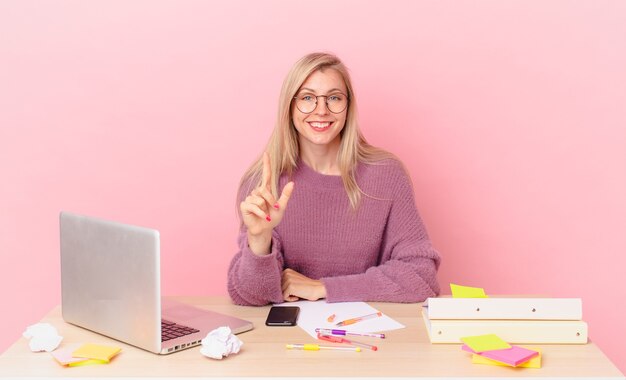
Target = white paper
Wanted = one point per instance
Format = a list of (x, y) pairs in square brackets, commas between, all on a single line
[(43, 337), (314, 314), (220, 343)]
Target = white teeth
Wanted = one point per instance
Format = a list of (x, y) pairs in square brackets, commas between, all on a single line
[(320, 125)]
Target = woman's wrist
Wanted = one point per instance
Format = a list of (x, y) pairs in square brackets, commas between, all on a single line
[(260, 244), (321, 290)]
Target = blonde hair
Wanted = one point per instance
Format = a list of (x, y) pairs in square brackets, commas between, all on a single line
[(283, 146)]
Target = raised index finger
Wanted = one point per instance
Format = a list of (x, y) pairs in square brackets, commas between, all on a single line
[(267, 170)]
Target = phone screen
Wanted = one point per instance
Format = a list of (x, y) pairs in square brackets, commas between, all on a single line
[(283, 316)]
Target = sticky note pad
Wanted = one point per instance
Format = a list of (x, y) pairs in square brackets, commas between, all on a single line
[(64, 355), (481, 343), (96, 351), (534, 362), (459, 291), (513, 356), (88, 362)]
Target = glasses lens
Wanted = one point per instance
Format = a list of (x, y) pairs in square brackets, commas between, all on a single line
[(337, 103), (306, 103)]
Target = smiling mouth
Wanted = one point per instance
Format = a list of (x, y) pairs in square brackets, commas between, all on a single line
[(320, 126)]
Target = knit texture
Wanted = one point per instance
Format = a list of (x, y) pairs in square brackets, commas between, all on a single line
[(380, 252)]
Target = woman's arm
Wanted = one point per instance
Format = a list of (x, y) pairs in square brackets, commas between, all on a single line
[(253, 279), (408, 265), (254, 272)]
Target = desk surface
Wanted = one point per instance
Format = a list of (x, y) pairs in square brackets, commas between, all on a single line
[(406, 353)]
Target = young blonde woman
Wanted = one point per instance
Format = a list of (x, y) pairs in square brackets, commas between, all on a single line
[(324, 214)]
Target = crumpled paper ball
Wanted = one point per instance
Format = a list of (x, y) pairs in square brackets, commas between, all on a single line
[(220, 343), (43, 337)]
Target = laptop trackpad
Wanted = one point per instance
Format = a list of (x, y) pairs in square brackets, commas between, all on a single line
[(204, 320), (176, 311)]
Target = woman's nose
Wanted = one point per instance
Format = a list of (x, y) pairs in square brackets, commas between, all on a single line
[(321, 108)]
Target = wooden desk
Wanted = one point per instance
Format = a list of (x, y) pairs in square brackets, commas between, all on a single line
[(405, 353)]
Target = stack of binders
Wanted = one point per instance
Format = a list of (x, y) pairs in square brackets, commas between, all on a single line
[(515, 320)]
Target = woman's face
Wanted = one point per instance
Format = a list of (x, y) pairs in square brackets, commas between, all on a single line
[(321, 126)]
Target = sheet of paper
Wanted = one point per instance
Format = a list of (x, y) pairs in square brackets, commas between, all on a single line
[(220, 343), (488, 342), (43, 337), (459, 291), (96, 351), (314, 314)]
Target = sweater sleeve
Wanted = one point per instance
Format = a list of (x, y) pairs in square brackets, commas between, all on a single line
[(256, 280), (408, 263)]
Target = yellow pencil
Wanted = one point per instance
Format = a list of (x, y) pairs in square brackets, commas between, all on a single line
[(317, 347)]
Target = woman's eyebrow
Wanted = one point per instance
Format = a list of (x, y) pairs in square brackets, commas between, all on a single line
[(313, 91)]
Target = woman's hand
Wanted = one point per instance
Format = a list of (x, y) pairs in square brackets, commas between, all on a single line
[(261, 212), (296, 286)]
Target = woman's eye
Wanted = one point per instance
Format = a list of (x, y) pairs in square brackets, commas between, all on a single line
[(334, 98), (307, 98)]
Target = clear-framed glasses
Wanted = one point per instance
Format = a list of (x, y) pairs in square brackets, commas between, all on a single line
[(336, 102)]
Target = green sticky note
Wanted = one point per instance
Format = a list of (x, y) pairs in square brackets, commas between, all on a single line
[(481, 343), (459, 291)]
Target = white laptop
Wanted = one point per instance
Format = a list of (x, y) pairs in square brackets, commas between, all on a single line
[(110, 280)]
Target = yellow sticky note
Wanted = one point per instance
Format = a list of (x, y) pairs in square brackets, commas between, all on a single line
[(88, 362), (535, 362), (96, 351), (480, 343), (459, 291)]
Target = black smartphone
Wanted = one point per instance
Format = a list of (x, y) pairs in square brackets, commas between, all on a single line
[(282, 316)]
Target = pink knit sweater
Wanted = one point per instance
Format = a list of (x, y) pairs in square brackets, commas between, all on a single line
[(380, 252)]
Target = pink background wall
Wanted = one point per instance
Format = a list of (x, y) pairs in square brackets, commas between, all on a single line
[(510, 116)]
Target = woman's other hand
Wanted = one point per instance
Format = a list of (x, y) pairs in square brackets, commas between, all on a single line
[(297, 286)]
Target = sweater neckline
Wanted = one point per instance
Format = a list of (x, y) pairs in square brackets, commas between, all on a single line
[(307, 174)]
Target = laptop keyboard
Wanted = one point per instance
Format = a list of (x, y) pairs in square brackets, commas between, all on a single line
[(171, 330)]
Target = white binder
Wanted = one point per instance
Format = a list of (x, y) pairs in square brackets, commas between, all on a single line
[(505, 308), (512, 331)]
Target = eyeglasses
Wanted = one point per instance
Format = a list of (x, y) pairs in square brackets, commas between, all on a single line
[(336, 103)]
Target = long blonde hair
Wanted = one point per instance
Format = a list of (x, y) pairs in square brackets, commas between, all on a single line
[(283, 146)]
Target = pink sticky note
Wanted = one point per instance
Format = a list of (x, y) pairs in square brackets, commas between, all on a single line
[(513, 356), (64, 355)]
